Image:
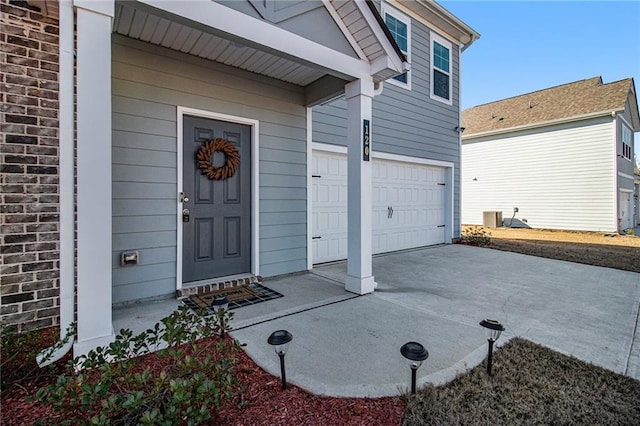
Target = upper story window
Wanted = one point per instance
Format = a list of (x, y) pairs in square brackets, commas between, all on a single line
[(399, 26), (626, 142), (441, 69)]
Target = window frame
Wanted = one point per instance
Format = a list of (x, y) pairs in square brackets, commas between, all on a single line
[(626, 145), (434, 37), (405, 19)]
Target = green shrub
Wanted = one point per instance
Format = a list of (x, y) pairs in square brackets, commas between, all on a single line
[(630, 231), (124, 383), (476, 236)]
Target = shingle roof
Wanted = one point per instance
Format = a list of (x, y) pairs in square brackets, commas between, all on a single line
[(570, 100)]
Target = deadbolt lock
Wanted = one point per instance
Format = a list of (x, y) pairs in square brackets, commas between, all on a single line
[(186, 215), (183, 198)]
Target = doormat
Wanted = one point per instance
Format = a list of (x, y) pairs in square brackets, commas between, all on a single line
[(240, 296)]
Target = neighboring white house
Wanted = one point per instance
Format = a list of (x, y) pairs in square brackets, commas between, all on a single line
[(558, 158)]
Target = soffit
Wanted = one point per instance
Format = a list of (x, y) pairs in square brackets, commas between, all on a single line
[(439, 19), (357, 25), (155, 26), (142, 24)]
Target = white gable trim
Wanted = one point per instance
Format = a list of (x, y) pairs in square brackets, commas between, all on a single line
[(345, 31), (214, 15), (394, 60)]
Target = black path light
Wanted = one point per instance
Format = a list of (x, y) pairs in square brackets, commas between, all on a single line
[(220, 305), (415, 353), (280, 341), (493, 329)]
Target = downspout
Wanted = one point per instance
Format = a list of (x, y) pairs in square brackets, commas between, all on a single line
[(66, 186), (465, 46)]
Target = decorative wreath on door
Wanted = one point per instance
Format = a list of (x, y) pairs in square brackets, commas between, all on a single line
[(204, 158)]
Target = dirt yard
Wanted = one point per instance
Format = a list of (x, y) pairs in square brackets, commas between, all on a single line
[(593, 248)]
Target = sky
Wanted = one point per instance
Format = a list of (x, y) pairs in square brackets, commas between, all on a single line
[(531, 45)]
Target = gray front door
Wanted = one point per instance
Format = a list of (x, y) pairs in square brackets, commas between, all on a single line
[(217, 236)]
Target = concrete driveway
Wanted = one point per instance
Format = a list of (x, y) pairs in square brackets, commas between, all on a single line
[(347, 345)]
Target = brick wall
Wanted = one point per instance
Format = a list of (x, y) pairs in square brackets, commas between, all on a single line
[(29, 286)]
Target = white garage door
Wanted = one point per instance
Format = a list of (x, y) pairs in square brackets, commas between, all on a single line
[(408, 206)]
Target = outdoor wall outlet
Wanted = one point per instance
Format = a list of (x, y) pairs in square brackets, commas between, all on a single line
[(515, 210), (129, 258)]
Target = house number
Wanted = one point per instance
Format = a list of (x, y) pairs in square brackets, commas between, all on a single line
[(366, 140)]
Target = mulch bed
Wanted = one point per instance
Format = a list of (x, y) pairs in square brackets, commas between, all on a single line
[(267, 404), (263, 403)]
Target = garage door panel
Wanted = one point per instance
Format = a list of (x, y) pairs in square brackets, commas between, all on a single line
[(413, 191)]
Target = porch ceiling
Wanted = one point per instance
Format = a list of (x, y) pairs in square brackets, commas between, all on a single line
[(142, 24)]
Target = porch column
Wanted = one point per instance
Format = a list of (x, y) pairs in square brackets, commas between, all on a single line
[(93, 82), (359, 216)]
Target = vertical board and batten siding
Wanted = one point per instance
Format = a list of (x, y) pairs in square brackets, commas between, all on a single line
[(149, 82), (406, 122), (560, 177)]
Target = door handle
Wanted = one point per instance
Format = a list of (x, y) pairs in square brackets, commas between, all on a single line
[(186, 215), (389, 212)]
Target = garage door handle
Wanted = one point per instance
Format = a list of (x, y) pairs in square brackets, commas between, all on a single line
[(315, 238), (389, 212), (318, 176), (441, 226)]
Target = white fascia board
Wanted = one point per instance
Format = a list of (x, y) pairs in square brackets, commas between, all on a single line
[(452, 19), (455, 22), (394, 61), (223, 18), (103, 7), (541, 124)]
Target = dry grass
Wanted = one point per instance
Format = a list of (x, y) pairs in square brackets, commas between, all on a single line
[(530, 385), (591, 248)]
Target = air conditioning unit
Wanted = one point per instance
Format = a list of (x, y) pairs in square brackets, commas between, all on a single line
[(492, 219)]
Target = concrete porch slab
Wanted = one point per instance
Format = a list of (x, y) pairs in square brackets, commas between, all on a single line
[(348, 345)]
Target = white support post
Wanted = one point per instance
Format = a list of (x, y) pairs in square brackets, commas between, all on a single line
[(359, 95), (94, 315)]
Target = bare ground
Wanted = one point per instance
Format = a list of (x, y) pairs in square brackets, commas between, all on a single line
[(592, 248)]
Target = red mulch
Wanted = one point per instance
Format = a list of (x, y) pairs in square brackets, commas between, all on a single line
[(264, 403)]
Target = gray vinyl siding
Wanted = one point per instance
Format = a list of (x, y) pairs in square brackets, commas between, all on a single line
[(406, 122), (624, 165), (148, 84)]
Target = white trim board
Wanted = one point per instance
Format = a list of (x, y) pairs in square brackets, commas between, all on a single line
[(255, 187), (309, 186), (317, 146)]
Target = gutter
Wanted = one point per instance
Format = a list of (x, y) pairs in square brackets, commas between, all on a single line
[(66, 186), (542, 124), (474, 37)]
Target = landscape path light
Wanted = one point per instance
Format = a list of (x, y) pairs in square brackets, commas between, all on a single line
[(493, 330), (280, 341), (415, 353), (220, 305)]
